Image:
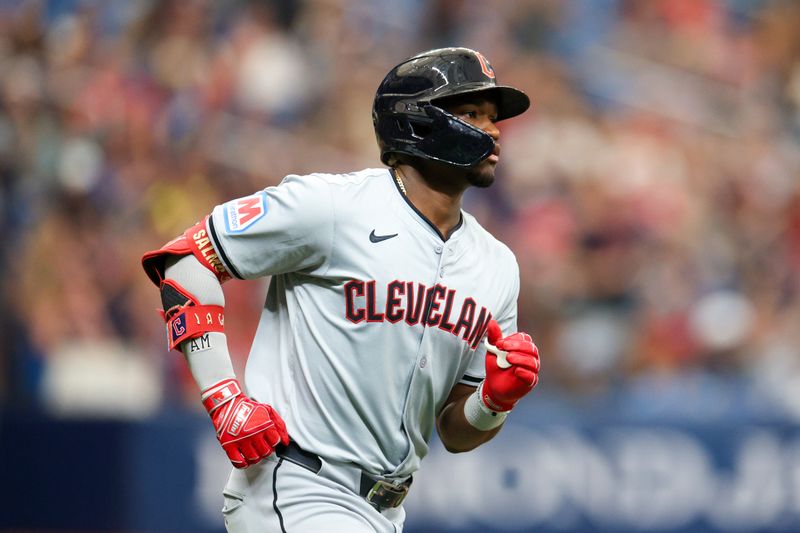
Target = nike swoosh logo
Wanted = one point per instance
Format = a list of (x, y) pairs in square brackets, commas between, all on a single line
[(379, 238)]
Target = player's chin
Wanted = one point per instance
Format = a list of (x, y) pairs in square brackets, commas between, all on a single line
[(482, 176)]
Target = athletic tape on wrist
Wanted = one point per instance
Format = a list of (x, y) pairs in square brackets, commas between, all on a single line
[(479, 415)]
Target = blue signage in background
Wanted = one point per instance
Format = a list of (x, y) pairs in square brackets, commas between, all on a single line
[(166, 475), (616, 478)]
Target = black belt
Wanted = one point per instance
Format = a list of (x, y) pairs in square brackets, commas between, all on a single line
[(380, 493)]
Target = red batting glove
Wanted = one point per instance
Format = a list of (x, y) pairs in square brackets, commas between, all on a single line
[(503, 387), (248, 431)]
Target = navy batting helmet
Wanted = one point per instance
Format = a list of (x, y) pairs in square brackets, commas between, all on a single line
[(408, 121)]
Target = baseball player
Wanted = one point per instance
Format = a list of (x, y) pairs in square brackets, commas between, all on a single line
[(390, 312)]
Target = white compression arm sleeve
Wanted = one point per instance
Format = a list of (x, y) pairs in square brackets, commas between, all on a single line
[(208, 357)]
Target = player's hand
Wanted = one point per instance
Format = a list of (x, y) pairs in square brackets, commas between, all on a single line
[(247, 430), (512, 368)]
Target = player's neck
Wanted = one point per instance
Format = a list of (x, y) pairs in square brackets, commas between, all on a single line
[(439, 201)]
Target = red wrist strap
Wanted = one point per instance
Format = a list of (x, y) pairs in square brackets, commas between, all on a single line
[(219, 394), (192, 322)]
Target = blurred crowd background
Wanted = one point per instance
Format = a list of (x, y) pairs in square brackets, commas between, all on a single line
[(651, 194)]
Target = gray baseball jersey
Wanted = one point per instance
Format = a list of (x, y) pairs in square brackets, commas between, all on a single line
[(371, 315)]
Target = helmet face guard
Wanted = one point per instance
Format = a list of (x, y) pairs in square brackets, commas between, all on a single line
[(437, 135), (408, 121)]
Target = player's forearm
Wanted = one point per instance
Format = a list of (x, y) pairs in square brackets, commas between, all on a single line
[(194, 305), (207, 356), (456, 433)]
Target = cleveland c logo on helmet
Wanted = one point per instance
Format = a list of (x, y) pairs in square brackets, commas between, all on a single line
[(485, 66)]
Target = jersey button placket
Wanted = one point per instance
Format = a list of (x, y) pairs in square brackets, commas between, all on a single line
[(439, 249)]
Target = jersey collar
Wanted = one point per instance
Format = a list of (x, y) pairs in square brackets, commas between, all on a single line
[(445, 238)]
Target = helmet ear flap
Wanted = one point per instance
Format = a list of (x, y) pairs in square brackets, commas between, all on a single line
[(419, 129), (406, 132)]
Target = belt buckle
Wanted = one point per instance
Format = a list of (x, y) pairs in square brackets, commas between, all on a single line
[(385, 494)]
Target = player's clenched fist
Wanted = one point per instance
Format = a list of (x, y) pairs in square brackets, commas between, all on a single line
[(248, 431), (512, 368)]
